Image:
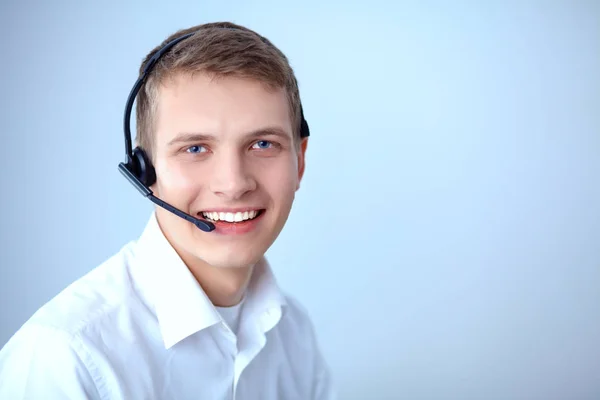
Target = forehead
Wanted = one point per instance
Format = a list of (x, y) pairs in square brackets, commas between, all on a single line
[(224, 107)]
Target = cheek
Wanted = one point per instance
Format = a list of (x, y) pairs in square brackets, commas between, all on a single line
[(280, 180), (177, 181)]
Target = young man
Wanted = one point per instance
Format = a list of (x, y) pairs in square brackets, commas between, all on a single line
[(185, 313)]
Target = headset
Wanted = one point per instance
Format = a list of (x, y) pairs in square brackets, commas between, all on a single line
[(138, 168)]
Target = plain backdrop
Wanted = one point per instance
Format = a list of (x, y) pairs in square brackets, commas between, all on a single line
[(446, 237)]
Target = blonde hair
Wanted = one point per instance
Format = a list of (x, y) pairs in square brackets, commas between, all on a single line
[(220, 49)]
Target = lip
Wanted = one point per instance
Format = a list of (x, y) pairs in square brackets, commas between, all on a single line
[(234, 228)]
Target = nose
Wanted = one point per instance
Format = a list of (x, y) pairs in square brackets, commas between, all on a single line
[(231, 179)]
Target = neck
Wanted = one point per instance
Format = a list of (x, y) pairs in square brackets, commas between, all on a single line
[(225, 287)]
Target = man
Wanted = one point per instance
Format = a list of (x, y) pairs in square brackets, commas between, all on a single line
[(188, 313)]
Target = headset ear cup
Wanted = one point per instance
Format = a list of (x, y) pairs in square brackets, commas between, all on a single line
[(304, 131), (143, 167)]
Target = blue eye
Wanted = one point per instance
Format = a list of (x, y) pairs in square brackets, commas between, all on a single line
[(263, 144), (196, 149)]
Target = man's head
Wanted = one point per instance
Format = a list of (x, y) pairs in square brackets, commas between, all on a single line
[(219, 117)]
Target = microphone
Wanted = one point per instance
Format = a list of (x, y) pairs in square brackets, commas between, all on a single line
[(203, 225)]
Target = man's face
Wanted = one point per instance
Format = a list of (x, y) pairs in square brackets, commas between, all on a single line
[(225, 151)]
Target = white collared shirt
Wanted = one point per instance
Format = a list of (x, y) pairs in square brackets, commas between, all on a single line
[(140, 327)]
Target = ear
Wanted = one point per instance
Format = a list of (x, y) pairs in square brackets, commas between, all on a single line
[(301, 160)]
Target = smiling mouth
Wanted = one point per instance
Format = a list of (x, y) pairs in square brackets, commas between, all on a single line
[(231, 217)]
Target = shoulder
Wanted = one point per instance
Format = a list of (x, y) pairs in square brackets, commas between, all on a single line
[(296, 324), (90, 298), (296, 312), (53, 349), (86, 305)]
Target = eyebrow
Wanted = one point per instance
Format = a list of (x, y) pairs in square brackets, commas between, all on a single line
[(190, 137)]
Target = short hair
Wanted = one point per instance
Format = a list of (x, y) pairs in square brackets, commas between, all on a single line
[(221, 49)]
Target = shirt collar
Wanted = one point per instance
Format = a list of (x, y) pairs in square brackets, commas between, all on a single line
[(181, 306), (265, 301)]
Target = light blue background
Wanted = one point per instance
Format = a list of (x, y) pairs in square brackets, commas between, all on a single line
[(446, 238)]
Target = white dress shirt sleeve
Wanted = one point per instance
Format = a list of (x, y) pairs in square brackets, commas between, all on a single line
[(44, 363)]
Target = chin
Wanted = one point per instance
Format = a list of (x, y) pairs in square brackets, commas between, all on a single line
[(237, 253), (230, 260)]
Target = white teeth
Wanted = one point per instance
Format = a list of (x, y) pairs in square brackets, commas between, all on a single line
[(230, 217)]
